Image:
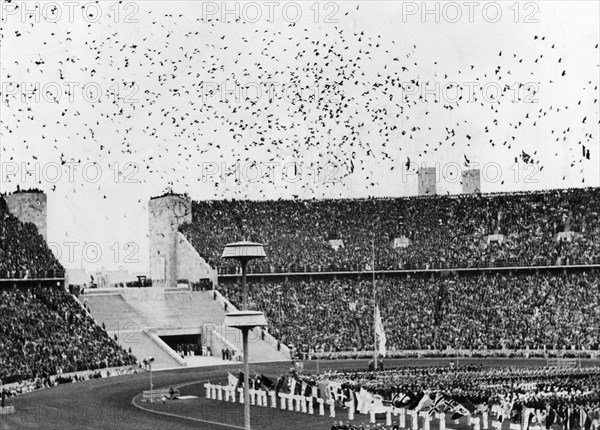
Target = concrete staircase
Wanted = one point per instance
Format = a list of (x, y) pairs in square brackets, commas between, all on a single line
[(259, 349), (131, 328), (139, 316), (149, 345)]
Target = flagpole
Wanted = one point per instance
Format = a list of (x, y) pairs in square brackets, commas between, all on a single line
[(374, 305)]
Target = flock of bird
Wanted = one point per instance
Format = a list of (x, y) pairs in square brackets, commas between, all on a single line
[(178, 90)]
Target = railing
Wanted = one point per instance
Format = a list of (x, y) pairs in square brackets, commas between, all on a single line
[(34, 384), (472, 265), (561, 354), (29, 275), (224, 301), (561, 362)]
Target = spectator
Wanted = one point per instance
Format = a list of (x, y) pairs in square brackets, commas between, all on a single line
[(470, 311), (44, 332), (443, 231), (23, 251)]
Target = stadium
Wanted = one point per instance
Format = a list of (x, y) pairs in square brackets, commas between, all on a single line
[(190, 259), (536, 308)]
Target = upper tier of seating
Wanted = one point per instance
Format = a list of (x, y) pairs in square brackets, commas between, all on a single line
[(442, 231), (24, 252)]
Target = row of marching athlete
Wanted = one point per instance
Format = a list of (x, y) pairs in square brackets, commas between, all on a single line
[(418, 411), (306, 404)]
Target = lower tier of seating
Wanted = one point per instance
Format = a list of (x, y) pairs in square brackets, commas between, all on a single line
[(424, 312)]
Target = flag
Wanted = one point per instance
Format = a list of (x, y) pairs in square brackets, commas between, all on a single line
[(292, 385), (459, 413), (573, 419), (424, 404), (323, 387), (308, 390), (550, 418), (526, 417), (376, 403), (507, 406), (561, 417), (451, 404), (399, 400), (347, 395), (584, 419), (469, 406), (267, 383), (460, 407), (415, 400), (366, 401), (351, 402), (335, 390), (595, 416), (438, 404), (540, 416), (363, 400), (314, 392), (232, 381), (380, 333), (280, 385), (255, 383), (481, 409)]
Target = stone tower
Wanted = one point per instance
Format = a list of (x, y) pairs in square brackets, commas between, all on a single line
[(471, 181), (166, 213), (427, 181), (30, 206)]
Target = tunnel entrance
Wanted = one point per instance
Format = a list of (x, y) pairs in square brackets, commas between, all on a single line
[(184, 344)]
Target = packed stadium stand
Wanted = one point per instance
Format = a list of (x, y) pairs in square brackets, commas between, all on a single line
[(485, 272), (44, 330), (464, 269), (556, 227), (471, 311), (23, 250)]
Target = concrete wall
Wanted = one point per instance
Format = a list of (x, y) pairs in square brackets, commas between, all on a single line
[(190, 265), (30, 207), (142, 295), (166, 214), (427, 181), (471, 181)]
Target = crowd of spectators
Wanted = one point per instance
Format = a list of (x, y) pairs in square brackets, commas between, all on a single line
[(23, 250), (23, 387), (45, 331), (420, 312), (442, 231)]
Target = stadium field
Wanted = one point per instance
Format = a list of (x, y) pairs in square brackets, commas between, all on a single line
[(115, 403)]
